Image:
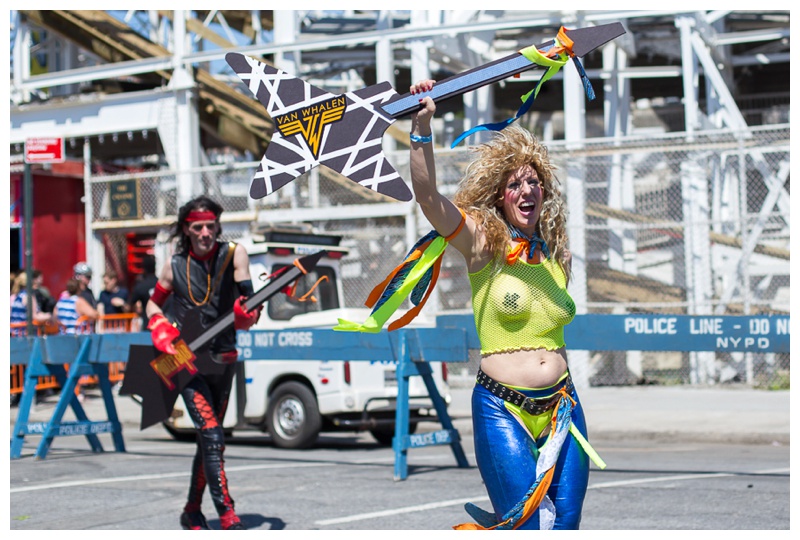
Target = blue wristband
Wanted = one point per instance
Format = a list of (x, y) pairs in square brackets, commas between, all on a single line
[(420, 139)]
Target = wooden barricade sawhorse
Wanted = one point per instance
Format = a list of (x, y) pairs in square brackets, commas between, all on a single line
[(412, 360), (85, 355), (410, 349)]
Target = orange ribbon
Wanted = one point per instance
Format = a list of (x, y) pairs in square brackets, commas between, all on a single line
[(563, 44)]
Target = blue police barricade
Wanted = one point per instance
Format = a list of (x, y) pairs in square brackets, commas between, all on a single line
[(410, 349), (718, 333), (86, 355)]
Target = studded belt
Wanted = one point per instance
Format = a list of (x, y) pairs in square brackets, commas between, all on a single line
[(534, 406)]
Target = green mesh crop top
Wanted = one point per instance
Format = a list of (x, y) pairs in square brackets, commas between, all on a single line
[(525, 306)]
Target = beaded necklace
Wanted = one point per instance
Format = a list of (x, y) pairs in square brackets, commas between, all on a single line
[(208, 277)]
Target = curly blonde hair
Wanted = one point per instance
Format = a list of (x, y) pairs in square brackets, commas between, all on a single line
[(483, 185)]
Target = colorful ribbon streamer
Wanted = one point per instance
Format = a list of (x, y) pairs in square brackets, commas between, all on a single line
[(553, 59)]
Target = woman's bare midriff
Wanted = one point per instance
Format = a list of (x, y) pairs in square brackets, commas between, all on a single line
[(539, 368)]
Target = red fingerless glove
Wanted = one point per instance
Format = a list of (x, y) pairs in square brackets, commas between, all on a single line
[(163, 333), (243, 319)]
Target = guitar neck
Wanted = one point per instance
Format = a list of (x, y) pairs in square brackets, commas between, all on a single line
[(584, 40), (273, 287), (464, 82)]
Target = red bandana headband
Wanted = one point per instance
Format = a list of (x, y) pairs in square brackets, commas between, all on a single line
[(195, 215)]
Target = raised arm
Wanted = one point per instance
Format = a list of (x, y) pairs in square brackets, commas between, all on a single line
[(440, 211), (85, 309)]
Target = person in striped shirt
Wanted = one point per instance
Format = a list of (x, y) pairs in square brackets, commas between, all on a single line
[(19, 304), (71, 307)]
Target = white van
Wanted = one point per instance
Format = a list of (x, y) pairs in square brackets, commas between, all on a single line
[(295, 400)]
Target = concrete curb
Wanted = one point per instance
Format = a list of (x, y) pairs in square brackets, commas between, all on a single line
[(464, 427)]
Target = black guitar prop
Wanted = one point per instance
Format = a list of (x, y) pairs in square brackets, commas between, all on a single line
[(344, 131), (158, 378)]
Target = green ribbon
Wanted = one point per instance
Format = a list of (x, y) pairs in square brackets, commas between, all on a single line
[(533, 55), (553, 66), (381, 314)]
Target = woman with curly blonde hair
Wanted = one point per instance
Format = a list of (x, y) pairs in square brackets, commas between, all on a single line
[(508, 221), (481, 190)]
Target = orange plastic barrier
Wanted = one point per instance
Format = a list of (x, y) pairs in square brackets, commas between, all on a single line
[(18, 371), (126, 322), (107, 324), (123, 322)]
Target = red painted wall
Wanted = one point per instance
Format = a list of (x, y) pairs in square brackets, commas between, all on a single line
[(59, 235)]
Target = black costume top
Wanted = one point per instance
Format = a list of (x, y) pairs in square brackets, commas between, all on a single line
[(213, 290), (89, 296)]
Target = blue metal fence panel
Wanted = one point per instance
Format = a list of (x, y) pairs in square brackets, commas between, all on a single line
[(600, 332), (437, 345)]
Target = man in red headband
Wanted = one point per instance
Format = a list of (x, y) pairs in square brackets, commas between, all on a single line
[(213, 276)]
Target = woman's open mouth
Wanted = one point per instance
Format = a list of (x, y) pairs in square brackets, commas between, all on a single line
[(527, 208)]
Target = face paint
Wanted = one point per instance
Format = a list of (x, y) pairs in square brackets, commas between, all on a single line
[(522, 199)]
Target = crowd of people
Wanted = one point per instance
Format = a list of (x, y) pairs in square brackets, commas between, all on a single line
[(76, 308)]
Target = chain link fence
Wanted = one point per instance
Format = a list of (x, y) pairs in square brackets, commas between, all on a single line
[(676, 224)]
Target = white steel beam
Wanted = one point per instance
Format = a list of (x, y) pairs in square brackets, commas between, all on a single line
[(117, 113), (697, 244), (127, 68), (384, 62), (749, 36), (690, 77), (775, 185), (575, 181), (103, 71), (732, 115), (184, 125)]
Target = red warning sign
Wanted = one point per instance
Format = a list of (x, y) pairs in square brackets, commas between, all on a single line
[(44, 150)]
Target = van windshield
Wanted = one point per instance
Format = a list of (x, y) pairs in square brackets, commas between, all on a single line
[(282, 308)]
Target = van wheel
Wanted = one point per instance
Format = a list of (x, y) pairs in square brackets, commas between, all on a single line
[(385, 434), (293, 418)]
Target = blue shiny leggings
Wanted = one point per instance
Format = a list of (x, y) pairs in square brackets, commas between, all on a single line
[(508, 464)]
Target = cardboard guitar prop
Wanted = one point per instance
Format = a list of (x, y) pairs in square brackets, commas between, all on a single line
[(344, 132), (158, 378)]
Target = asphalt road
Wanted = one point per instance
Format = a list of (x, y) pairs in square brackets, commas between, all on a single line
[(346, 483)]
